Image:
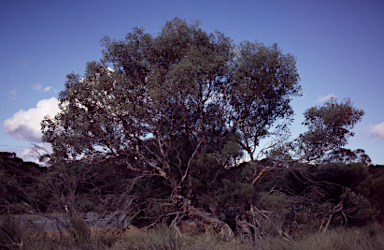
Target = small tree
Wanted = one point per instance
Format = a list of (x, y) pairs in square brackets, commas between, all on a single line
[(329, 128)]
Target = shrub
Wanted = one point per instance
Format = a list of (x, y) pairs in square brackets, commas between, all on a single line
[(12, 233)]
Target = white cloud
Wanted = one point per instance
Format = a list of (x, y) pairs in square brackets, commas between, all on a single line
[(25, 125), (376, 131), (325, 98)]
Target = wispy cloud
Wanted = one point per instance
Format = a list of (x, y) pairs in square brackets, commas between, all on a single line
[(47, 88), (325, 98), (25, 125), (21, 62), (12, 92), (39, 87), (375, 131)]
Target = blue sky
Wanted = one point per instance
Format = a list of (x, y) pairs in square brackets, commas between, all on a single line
[(338, 46)]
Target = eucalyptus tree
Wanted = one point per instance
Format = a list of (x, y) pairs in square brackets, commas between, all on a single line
[(329, 128), (167, 104)]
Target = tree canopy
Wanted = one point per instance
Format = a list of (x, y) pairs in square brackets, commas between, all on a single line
[(158, 104), (329, 128), (176, 113)]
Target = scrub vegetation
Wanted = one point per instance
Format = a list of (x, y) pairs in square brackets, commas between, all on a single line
[(166, 130)]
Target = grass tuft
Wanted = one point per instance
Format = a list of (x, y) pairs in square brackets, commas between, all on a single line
[(165, 238)]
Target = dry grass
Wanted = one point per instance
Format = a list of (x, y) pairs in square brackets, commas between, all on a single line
[(365, 238), (162, 237)]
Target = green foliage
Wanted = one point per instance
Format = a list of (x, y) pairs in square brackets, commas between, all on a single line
[(349, 156), (302, 199), (373, 186), (341, 175), (357, 207), (225, 190), (276, 201), (329, 127)]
